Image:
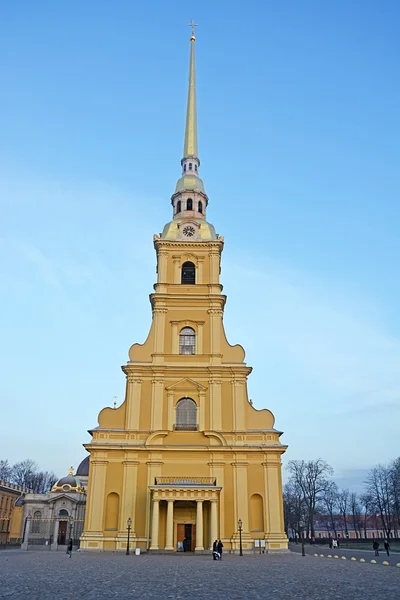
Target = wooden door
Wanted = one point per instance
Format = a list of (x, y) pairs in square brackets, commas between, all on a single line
[(62, 533), (180, 533), (193, 537)]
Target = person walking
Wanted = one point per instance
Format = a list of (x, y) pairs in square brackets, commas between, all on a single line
[(215, 550), (69, 548), (219, 548), (375, 546), (386, 545)]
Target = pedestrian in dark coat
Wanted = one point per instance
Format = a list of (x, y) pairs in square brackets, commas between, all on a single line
[(375, 546), (219, 548), (69, 548), (387, 547)]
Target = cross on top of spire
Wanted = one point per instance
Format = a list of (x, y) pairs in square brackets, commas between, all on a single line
[(192, 24)]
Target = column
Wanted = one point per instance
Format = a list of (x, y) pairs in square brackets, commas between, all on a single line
[(273, 497), (177, 269), (24, 545), (155, 524), (169, 542), (214, 267), (214, 521), (157, 403), (238, 404), (199, 526), (170, 403), (199, 341), (128, 498), (241, 494), (202, 411), (97, 480), (162, 267), (133, 392), (216, 327), (175, 337), (54, 543), (215, 405), (199, 273), (159, 329)]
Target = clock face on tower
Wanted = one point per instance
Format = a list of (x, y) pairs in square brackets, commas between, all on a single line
[(188, 231)]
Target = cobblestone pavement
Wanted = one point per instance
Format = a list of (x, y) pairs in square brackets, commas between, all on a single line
[(368, 555), (97, 576)]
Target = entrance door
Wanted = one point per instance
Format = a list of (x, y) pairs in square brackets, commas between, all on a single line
[(186, 533), (62, 533)]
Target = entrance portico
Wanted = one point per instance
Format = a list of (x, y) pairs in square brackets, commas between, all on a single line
[(184, 502)]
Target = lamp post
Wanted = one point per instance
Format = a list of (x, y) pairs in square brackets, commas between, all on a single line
[(240, 537), (71, 523), (129, 533), (303, 552)]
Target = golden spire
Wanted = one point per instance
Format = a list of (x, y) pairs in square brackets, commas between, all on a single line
[(190, 145), (71, 471)]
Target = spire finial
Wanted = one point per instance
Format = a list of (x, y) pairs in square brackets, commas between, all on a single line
[(71, 471), (190, 145), (192, 24)]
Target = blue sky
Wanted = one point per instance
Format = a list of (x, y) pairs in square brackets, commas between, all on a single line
[(299, 141)]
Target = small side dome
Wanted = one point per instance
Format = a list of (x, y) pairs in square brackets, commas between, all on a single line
[(83, 469), (70, 483)]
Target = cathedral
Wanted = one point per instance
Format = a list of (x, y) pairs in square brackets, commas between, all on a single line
[(186, 459)]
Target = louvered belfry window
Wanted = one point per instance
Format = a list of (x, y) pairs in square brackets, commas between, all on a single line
[(187, 341), (188, 273), (186, 415)]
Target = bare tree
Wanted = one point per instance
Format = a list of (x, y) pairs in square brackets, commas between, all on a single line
[(312, 478), (356, 513), (379, 488), (5, 470), (329, 502), (395, 492), (295, 509), (367, 506), (343, 505), (26, 474), (22, 472)]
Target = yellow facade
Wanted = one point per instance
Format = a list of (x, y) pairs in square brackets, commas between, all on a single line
[(10, 512), (186, 469)]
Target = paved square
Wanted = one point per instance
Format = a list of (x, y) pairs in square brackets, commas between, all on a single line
[(45, 575)]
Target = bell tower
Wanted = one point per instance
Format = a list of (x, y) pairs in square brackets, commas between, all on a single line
[(186, 455)]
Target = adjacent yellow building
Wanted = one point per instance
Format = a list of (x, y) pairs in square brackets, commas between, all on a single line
[(186, 457)]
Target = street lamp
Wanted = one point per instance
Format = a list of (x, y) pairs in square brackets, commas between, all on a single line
[(129, 532), (303, 552), (71, 522), (240, 537)]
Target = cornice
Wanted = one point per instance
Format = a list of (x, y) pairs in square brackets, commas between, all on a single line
[(217, 244)]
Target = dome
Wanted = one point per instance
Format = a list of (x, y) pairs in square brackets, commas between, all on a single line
[(189, 182), (83, 469), (69, 483)]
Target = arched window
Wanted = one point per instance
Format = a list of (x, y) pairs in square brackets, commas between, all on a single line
[(188, 273), (184, 167), (200, 207), (195, 167), (37, 515), (178, 206), (63, 513), (190, 166), (186, 415), (189, 204), (187, 341)]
